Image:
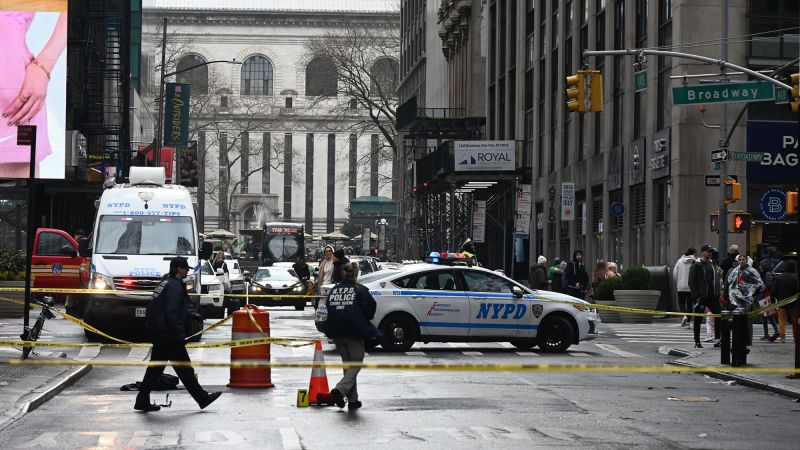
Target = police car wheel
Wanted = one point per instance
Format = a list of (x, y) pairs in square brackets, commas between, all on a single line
[(555, 335), (523, 344), (399, 333)]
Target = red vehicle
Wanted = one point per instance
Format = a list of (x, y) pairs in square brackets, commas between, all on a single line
[(56, 263)]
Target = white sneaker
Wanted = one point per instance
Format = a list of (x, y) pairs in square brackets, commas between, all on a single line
[(709, 339), (685, 321)]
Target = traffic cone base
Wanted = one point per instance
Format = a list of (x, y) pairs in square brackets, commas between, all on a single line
[(318, 391)]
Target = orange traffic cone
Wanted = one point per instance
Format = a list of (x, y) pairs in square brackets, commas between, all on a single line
[(318, 391)]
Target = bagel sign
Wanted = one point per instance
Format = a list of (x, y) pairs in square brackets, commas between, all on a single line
[(482, 156)]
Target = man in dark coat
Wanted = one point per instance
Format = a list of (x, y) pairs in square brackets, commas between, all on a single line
[(302, 270), (350, 310), (168, 318), (576, 278), (538, 275), (704, 285), (339, 261), (730, 260)]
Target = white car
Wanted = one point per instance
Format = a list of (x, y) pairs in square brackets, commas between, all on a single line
[(458, 303), (212, 293)]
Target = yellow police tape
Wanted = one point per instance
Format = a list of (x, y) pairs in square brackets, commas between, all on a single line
[(573, 368), (145, 293), (284, 342)]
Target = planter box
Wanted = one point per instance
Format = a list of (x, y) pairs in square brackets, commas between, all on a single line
[(642, 299), (608, 316), (8, 309)]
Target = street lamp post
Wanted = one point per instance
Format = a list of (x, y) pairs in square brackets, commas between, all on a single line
[(381, 225)]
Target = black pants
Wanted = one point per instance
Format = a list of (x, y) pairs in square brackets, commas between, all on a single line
[(685, 302), (164, 350), (713, 305)]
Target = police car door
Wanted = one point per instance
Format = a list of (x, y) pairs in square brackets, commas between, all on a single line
[(494, 310), (441, 306)]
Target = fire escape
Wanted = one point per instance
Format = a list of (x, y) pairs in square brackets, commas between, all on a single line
[(103, 116)]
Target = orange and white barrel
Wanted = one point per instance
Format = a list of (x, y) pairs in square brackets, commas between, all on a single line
[(250, 322)]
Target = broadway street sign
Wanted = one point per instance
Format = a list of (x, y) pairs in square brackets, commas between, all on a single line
[(751, 91)]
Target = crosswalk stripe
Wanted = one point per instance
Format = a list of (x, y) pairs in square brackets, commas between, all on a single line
[(138, 354), (616, 350), (506, 344), (88, 353), (416, 354), (527, 353), (472, 353), (578, 354)]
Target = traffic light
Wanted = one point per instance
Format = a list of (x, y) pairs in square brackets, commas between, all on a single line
[(795, 93), (791, 203), (576, 92), (714, 222), (595, 91), (741, 222), (733, 191)]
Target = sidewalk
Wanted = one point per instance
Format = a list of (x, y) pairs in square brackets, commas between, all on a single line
[(774, 355), (25, 388)]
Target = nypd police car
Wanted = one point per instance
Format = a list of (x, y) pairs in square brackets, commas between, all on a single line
[(448, 300)]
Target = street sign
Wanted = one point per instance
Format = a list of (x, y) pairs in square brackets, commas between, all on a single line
[(719, 155), (781, 95), (640, 81), (617, 209), (747, 156), (713, 180), (751, 91)]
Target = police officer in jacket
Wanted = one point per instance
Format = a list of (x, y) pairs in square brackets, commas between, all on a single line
[(350, 309), (168, 319)]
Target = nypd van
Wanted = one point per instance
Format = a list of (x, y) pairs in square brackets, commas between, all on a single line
[(460, 303), (139, 227)]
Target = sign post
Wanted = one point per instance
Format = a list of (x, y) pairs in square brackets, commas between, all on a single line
[(26, 135)]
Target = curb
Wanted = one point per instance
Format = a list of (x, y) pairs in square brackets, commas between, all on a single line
[(739, 379), (41, 395)]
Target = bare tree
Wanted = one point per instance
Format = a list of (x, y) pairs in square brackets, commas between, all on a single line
[(364, 57)]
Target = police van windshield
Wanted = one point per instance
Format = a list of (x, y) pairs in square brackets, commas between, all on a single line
[(145, 235)]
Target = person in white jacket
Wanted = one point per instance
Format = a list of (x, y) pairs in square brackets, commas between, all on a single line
[(680, 273)]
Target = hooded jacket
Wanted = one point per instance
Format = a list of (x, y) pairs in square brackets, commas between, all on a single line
[(576, 273), (350, 309), (680, 273)]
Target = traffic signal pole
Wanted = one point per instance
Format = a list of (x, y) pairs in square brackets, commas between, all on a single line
[(723, 131)]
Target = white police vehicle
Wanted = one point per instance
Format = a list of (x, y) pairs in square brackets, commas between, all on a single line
[(449, 300)]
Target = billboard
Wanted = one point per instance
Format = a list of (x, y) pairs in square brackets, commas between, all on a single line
[(33, 85), (482, 156), (176, 122)]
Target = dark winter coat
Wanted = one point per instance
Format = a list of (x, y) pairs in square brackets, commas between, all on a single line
[(698, 285), (350, 310), (730, 261), (168, 316), (786, 286), (337, 269), (574, 275), (538, 277), (303, 271)]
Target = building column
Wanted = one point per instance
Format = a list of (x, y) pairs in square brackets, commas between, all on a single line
[(244, 163), (223, 181), (352, 173), (373, 165), (287, 177), (309, 183), (330, 213), (266, 149)]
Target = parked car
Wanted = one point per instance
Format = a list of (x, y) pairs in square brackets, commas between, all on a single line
[(276, 281), (366, 264), (238, 284), (212, 293)]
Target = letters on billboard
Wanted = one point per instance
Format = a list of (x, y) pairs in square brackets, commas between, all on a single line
[(33, 81)]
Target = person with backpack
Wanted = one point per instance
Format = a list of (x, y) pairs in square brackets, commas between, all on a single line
[(350, 308), (576, 279), (167, 319)]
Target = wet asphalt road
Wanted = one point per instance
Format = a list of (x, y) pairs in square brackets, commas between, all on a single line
[(408, 409)]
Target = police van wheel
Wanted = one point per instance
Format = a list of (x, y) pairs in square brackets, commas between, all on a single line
[(399, 333), (523, 344), (555, 335), (89, 319)]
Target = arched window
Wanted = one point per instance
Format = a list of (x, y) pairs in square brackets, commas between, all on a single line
[(197, 77), (321, 78), (257, 76), (385, 77)]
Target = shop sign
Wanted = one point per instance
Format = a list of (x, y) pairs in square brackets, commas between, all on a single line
[(567, 201), (778, 141), (773, 204), (660, 146), (638, 152)]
